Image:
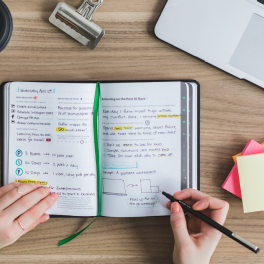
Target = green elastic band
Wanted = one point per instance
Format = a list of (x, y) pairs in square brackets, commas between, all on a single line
[(99, 192)]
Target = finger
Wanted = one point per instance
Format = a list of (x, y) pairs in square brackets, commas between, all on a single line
[(42, 219), (26, 202), (16, 193), (221, 207), (179, 226), (189, 194), (29, 218), (18, 228), (7, 188), (209, 202), (168, 205)]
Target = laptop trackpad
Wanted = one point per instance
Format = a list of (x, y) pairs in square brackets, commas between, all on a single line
[(249, 53)]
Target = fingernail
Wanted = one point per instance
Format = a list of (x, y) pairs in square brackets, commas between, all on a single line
[(54, 196), (196, 204), (177, 192), (47, 189), (38, 185), (21, 183), (175, 208), (45, 218)]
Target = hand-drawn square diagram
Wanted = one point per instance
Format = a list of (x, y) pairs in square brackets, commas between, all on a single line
[(146, 187), (114, 187)]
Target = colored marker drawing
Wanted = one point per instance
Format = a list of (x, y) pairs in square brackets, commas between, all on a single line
[(19, 171), (120, 165), (114, 187), (146, 187), (19, 153)]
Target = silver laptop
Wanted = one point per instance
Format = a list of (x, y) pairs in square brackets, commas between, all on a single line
[(228, 34)]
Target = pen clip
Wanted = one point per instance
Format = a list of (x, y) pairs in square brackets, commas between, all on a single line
[(88, 8)]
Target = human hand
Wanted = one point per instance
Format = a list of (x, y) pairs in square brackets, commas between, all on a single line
[(196, 243), (22, 208)]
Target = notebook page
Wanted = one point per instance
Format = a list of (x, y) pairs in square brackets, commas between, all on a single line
[(51, 140), (194, 136), (141, 154)]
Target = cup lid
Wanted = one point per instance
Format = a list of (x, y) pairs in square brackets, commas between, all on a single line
[(6, 25)]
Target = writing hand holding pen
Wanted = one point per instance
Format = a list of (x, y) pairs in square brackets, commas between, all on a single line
[(196, 241)]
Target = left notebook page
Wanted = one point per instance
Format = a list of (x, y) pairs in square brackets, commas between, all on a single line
[(51, 140)]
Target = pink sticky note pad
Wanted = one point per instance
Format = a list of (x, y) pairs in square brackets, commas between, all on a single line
[(232, 183)]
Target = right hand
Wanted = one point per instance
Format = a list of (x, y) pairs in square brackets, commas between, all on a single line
[(196, 243), (28, 209)]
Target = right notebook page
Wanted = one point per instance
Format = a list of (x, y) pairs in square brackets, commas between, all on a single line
[(143, 145)]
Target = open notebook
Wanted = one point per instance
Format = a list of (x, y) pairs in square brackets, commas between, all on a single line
[(106, 148)]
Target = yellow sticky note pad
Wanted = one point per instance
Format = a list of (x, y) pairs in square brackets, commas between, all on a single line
[(237, 155), (251, 177), (122, 127), (32, 181), (60, 129), (168, 116)]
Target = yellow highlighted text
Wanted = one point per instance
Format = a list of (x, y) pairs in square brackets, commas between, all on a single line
[(168, 116), (122, 127), (60, 129), (32, 181)]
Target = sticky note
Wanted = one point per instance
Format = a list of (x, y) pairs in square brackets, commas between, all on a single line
[(231, 183), (251, 177), (237, 155), (32, 181), (168, 116)]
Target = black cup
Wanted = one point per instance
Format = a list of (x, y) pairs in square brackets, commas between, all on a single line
[(6, 25)]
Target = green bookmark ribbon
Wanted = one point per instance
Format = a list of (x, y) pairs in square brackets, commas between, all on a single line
[(99, 190), (68, 239), (96, 148)]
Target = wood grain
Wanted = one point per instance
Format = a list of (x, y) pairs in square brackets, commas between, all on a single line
[(231, 113)]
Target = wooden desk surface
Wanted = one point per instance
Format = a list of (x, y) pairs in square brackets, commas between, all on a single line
[(231, 113)]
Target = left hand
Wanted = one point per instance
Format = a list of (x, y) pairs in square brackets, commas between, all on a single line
[(22, 208)]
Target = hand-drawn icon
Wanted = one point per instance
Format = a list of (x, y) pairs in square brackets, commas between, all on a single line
[(147, 122), (13, 110), (81, 141), (13, 116), (132, 185), (114, 187), (35, 97), (13, 121), (19, 153), (48, 139), (18, 162), (13, 106), (147, 188), (19, 172)]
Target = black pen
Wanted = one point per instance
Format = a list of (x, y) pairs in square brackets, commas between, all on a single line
[(214, 224)]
